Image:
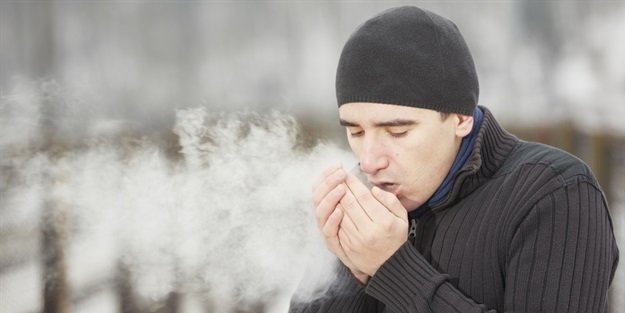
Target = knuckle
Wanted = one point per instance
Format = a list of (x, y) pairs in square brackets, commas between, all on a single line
[(327, 234), (327, 238), (387, 225), (350, 201)]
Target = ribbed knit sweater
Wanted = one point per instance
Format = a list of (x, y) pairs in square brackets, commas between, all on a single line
[(525, 228)]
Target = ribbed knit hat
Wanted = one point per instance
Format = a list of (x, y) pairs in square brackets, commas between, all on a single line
[(408, 56)]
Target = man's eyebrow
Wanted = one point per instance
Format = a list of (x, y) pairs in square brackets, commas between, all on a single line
[(347, 123), (395, 122), (391, 123)]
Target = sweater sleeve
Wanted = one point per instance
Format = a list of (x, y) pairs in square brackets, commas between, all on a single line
[(561, 257), (345, 295)]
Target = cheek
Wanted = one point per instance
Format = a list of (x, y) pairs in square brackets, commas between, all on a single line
[(429, 150)]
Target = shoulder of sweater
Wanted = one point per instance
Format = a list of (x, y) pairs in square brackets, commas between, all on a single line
[(561, 165)]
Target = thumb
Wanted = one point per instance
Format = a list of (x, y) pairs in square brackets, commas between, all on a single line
[(390, 201)]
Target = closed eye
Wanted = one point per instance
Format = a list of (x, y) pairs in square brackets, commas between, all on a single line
[(357, 133), (398, 134)]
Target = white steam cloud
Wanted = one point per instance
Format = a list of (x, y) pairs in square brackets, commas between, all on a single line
[(229, 217)]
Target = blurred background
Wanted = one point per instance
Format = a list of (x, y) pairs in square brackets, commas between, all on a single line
[(156, 156)]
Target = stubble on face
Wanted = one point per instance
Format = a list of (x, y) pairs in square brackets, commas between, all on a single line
[(404, 150)]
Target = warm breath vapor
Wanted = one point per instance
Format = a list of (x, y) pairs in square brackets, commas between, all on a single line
[(229, 218)]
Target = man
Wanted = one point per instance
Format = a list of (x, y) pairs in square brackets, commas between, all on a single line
[(463, 216)]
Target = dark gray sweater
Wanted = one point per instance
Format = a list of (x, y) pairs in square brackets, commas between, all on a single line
[(526, 228)]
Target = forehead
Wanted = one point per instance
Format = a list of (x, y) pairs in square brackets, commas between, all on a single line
[(377, 112)]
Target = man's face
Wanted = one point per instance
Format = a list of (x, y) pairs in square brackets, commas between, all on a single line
[(403, 150)]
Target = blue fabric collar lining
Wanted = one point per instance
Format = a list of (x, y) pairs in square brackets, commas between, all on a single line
[(466, 147)]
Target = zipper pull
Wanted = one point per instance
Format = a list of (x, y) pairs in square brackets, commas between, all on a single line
[(412, 233)]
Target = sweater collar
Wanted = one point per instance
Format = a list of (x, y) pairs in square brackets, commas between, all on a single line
[(489, 151)]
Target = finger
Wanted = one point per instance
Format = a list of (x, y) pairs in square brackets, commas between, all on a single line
[(348, 234), (348, 225), (345, 242), (327, 172), (354, 210), (328, 205), (331, 227), (371, 206), (339, 249), (390, 201), (332, 238), (328, 184)]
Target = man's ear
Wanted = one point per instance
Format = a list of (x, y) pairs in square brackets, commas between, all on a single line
[(464, 125)]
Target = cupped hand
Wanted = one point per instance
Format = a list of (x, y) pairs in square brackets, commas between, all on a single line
[(328, 191), (374, 225)]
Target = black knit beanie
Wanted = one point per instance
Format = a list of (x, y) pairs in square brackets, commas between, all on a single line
[(408, 56)]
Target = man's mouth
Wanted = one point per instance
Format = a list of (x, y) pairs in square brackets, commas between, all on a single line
[(389, 187)]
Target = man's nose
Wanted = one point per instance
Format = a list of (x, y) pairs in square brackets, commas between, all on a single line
[(373, 156)]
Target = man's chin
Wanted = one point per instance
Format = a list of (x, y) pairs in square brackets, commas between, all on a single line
[(409, 205)]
